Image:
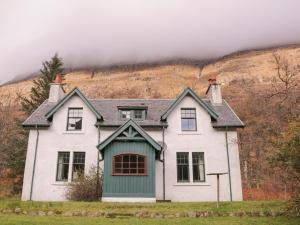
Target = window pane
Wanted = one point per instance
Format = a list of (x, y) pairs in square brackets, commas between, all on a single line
[(129, 164), (182, 166), (78, 164), (198, 166), (63, 166), (138, 114), (125, 114), (74, 119)]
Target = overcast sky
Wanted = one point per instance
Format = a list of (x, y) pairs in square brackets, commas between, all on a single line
[(107, 32)]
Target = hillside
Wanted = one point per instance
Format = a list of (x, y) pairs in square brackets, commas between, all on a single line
[(166, 81)]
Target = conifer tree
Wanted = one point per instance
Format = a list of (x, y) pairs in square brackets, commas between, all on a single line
[(41, 86)]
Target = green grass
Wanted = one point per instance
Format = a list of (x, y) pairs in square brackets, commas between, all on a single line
[(164, 208), (27, 220)]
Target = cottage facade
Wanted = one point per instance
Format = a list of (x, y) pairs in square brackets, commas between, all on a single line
[(148, 149)]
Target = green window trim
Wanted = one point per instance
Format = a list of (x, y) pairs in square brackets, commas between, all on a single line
[(75, 114), (198, 164), (182, 164), (62, 168), (78, 165), (188, 119)]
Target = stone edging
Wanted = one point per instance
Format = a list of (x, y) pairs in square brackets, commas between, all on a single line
[(141, 214)]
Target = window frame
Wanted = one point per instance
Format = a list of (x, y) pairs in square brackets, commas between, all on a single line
[(188, 167), (193, 164), (57, 166), (132, 113), (181, 118), (137, 168), (76, 117), (73, 158)]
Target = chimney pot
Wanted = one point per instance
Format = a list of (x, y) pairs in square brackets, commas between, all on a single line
[(58, 79), (213, 79)]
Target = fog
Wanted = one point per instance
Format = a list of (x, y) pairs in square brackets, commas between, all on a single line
[(108, 32)]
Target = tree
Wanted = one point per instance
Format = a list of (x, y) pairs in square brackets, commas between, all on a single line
[(288, 158), (41, 86)]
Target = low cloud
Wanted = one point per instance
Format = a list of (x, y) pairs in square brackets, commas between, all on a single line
[(108, 32)]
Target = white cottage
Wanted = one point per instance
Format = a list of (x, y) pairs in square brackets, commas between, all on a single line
[(148, 149)]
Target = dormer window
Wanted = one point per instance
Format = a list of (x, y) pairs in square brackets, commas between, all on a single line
[(125, 114), (132, 113), (74, 119)]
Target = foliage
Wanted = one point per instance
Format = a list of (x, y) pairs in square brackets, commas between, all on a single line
[(86, 187), (288, 157), (41, 86), (12, 149)]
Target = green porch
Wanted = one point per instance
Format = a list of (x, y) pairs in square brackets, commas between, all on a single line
[(129, 163)]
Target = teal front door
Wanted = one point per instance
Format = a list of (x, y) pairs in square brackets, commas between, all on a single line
[(129, 169)]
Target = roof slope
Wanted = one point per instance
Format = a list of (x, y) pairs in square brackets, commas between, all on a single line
[(77, 92), (156, 107), (189, 92)]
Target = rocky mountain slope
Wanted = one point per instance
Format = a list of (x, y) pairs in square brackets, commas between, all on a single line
[(166, 81)]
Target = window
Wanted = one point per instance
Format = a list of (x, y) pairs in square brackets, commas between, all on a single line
[(137, 114), (78, 164), (188, 120), (129, 164), (198, 167), (125, 114), (63, 166), (74, 119), (182, 167)]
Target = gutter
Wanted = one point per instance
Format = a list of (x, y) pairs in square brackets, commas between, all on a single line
[(98, 161), (164, 175), (228, 162), (34, 162)]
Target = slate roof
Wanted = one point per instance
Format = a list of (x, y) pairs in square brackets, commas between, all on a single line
[(108, 108)]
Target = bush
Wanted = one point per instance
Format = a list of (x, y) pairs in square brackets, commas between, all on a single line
[(86, 187)]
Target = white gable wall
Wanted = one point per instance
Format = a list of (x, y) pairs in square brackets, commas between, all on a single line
[(208, 140), (52, 140)]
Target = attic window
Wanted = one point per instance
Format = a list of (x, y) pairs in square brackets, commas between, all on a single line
[(74, 119), (135, 114)]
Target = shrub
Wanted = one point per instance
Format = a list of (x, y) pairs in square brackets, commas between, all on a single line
[(86, 187)]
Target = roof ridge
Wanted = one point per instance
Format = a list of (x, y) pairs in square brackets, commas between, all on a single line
[(133, 99)]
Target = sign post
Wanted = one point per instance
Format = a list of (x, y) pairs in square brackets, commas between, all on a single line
[(218, 185)]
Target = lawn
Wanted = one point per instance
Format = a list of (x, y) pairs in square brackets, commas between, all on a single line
[(165, 208), (126, 213)]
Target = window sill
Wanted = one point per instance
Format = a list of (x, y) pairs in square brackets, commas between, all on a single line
[(189, 133), (192, 184), (62, 183), (73, 132)]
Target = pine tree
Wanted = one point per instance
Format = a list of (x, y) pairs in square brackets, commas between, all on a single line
[(41, 86)]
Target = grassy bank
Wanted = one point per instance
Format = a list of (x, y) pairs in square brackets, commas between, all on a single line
[(27, 220), (165, 208), (14, 211)]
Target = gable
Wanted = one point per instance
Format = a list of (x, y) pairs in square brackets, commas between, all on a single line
[(77, 92), (130, 131), (191, 93)]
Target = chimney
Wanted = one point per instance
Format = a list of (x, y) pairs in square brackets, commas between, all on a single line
[(56, 92), (214, 90)]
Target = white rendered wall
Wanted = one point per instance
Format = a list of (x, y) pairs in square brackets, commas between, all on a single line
[(208, 140), (53, 140)]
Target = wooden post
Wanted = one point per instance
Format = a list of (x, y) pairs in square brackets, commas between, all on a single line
[(218, 190), (218, 185)]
